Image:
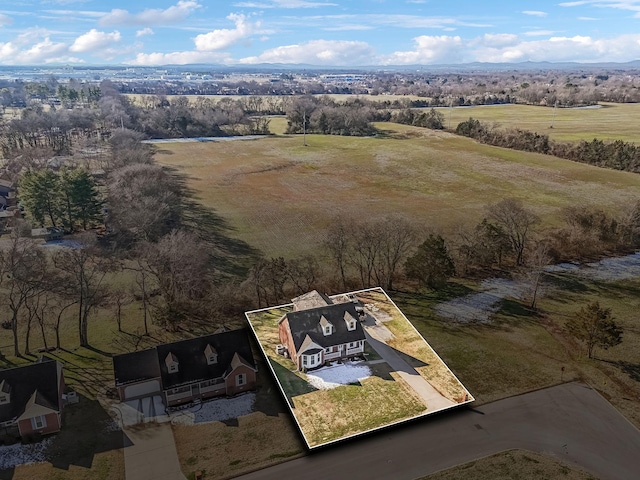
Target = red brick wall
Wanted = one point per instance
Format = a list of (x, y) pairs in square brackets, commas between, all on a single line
[(285, 338), (232, 389), (53, 425)]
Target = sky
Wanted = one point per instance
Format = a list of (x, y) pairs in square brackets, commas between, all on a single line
[(316, 32)]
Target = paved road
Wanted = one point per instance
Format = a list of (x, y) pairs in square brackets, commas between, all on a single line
[(570, 422), (429, 395)]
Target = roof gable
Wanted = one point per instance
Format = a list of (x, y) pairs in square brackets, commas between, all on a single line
[(305, 323), (36, 385), (193, 361)]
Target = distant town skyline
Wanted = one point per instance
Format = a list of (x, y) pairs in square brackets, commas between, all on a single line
[(316, 32)]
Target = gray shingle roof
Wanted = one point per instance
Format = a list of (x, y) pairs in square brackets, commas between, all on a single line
[(307, 322), (40, 377)]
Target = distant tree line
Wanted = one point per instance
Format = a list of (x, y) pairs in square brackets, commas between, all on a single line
[(618, 155)]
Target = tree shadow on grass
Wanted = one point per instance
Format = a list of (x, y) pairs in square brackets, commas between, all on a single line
[(631, 369), (291, 383), (269, 399), (231, 255), (564, 286)]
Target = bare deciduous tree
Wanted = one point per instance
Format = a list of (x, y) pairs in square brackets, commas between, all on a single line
[(516, 221), (84, 270), (25, 272), (179, 265)]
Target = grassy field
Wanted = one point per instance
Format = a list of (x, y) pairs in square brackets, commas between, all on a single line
[(280, 196), (612, 121)]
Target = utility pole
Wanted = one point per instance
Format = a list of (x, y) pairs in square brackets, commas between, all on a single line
[(304, 127), (450, 110), (553, 120)]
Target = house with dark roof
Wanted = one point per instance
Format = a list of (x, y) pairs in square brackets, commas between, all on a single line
[(188, 370), (319, 331), (31, 397)]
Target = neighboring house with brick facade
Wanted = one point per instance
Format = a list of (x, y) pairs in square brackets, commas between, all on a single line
[(31, 398), (319, 331), (181, 372)]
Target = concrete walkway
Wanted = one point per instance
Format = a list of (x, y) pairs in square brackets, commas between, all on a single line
[(153, 455), (429, 395)]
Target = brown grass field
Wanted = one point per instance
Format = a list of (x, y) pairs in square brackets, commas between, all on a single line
[(279, 196)]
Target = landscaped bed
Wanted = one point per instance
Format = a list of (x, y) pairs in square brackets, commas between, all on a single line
[(346, 398)]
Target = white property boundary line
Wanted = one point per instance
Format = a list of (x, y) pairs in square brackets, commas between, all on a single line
[(364, 432)]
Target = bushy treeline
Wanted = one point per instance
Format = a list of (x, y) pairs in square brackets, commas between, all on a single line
[(618, 155), (324, 115), (60, 129)]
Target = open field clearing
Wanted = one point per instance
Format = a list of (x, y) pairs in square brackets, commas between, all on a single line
[(612, 121), (279, 196)]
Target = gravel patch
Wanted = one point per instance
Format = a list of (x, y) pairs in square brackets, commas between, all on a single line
[(327, 378), (216, 410), (13, 455), (607, 270), (203, 139), (478, 307)]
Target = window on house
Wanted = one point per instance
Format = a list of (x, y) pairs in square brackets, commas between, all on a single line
[(241, 379), (327, 330), (304, 360), (4, 399), (173, 367), (38, 422)]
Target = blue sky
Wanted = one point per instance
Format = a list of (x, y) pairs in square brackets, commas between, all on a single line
[(318, 32)]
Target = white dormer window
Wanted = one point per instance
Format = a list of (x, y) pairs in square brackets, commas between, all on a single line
[(172, 363), (350, 321), (211, 355), (5, 390), (327, 327)]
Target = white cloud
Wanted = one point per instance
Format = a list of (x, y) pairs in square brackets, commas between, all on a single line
[(629, 5), (94, 41), (224, 38), (539, 33), (497, 40), (588, 19), (557, 49), (33, 47), (153, 16), (180, 58), (284, 4), (535, 13), (144, 31), (429, 50), (5, 20), (318, 52), (348, 27)]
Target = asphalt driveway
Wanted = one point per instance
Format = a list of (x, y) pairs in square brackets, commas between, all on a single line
[(570, 422)]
